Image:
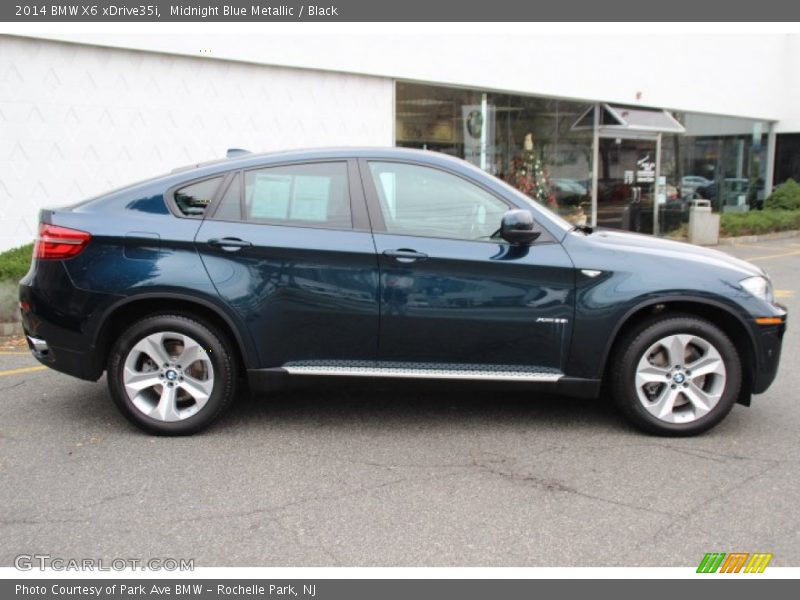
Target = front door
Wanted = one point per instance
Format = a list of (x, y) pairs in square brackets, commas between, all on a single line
[(626, 184), (451, 292)]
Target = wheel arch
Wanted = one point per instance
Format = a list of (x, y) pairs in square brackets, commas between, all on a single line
[(717, 313), (132, 308)]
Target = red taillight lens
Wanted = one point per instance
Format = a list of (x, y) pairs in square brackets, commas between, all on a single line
[(56, 242)]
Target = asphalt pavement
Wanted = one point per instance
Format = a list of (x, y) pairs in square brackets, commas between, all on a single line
[(401, 475)]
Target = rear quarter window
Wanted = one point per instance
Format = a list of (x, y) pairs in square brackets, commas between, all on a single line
[(192, 200)]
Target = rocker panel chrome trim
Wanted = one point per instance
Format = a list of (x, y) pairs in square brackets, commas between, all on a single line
[(492, 372)]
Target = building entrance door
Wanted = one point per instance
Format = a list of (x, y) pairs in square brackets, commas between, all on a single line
[(628, 170)]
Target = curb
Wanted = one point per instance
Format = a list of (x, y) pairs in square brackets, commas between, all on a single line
[(762, 237), (7, 329)]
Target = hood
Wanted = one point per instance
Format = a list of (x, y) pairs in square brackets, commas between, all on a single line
[(626, 242)]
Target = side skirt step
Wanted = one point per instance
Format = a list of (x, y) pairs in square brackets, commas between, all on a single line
[(424, 371)]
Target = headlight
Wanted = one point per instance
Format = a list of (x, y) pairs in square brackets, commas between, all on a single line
[(760, 287)]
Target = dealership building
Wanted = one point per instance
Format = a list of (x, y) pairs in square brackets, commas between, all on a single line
[(614, 130)]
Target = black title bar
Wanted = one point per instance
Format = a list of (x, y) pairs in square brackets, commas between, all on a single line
[(148, 11)]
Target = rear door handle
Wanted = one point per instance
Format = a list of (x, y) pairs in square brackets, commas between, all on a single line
[(405, 255), (229, 244)]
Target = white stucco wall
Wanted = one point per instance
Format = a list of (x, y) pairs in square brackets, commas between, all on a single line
[(735, 72), (790, 114), (78, 120), (87, 107)]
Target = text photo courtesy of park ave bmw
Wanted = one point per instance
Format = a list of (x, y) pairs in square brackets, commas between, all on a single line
[(164, 590)]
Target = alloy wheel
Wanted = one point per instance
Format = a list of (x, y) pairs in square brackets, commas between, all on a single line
[(680, 378), (168, 376)]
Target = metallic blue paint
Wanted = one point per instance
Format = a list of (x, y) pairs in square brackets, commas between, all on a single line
[(297, 293)]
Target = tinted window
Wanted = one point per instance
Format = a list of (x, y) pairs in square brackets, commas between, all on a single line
[(423, 201), (193, 199), (310, 194)]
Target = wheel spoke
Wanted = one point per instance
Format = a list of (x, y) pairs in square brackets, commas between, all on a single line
[(650, 374), (664, 404), (701, 401), (675, 347), (192, 352), (166, 409), (199, 390), (153, 346), (136, 381), (708, 364)]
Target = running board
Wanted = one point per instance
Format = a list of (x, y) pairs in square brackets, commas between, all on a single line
[(423, 371)]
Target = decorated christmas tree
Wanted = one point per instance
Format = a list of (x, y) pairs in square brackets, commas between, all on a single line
[(530, 175)]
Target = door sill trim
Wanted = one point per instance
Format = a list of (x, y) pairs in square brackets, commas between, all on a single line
[(424, 371)]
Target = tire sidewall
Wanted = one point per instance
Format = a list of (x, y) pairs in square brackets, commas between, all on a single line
[(218, 353), (625, 393)]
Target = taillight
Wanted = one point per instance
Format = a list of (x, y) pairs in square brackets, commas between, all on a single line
[(56, 242)]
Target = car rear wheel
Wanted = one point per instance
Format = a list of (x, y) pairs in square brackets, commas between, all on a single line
[(171, 374), (676, 376)]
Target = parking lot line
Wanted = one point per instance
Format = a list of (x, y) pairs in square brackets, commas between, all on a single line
[(23, 370), (757, 247), (784, 293), (11, 353), (795, 253)]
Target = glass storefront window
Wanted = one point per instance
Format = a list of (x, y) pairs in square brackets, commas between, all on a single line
[(647, 173), (720, 159), (787, 157), (527, 142), (626, 183)]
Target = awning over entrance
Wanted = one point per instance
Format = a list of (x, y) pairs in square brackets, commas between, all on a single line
[(620, 119)]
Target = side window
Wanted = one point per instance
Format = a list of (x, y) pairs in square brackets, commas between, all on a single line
[(423, 201), (192, 200), (314, 194)]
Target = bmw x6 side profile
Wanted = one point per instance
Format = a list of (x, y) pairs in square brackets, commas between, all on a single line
[(384, 263)]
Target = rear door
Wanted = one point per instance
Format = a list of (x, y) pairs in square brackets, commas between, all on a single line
[(289, 248), (452, 295)]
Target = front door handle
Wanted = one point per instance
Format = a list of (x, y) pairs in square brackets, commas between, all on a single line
[(229, 244), (405, 255)]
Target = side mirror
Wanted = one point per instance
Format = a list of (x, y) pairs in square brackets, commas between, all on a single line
[(517, 227)]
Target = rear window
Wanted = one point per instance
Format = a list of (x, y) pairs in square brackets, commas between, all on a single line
[(193, 199)]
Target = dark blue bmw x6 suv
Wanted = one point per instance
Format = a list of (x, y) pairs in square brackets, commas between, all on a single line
[(384, 263)]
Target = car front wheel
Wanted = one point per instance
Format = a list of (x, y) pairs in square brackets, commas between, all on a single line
[(676, 375), (171, 374)]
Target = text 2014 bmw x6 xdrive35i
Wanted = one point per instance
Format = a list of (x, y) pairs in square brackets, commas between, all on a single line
[(384, 263)]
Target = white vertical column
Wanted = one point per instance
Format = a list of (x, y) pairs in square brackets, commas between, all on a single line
[(484, 129), (657, 186), (769, 171), (595, 161)]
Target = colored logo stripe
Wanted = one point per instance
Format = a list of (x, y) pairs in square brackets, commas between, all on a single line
[(734, 563), (711, 562), (758, 562)]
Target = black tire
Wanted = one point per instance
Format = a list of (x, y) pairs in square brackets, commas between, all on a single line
[(218, 352), (632, 348)]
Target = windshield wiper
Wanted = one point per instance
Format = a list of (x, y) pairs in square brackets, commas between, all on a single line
[(585, 229)]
